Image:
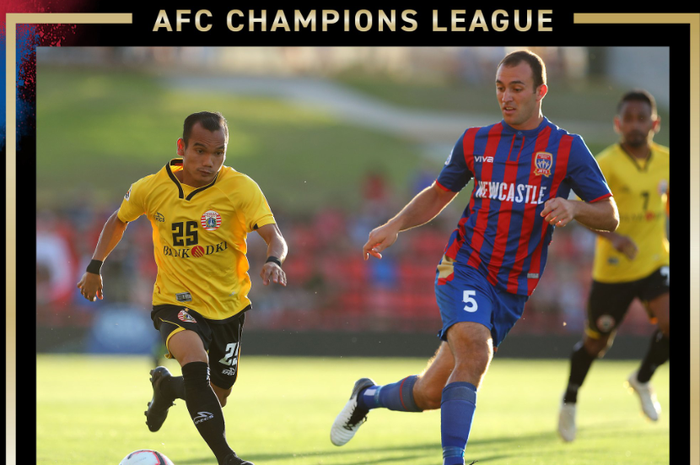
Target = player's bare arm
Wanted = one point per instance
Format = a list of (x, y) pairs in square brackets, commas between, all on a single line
[(622, 243), (277, 249), (90, 284), (425, 206), (601, 215)]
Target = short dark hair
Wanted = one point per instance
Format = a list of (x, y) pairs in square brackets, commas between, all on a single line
[(539, 70), (638, 95), (211, 121)]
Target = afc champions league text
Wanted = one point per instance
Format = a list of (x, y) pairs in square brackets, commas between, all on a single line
[(363, 20)]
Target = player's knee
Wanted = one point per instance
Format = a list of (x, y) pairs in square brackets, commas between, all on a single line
[(597, 347), (187, 347), (475, 361)]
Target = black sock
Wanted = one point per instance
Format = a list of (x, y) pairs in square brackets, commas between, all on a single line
[(657, 355), (205, 409), (173, 387), (581, 362)]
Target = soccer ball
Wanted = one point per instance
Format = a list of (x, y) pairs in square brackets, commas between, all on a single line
[(146, 457)]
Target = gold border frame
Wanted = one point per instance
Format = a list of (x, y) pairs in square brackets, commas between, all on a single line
[(13, 19), (11, 22), (693, 20)]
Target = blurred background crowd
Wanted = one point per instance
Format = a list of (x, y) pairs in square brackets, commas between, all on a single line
[(331, 288)]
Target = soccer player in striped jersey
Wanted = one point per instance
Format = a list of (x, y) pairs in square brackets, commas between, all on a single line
[(523, 168), (201, 212), (632, 262)]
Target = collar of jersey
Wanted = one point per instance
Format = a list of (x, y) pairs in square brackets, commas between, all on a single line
[(181, 192), (507, 129), (643, 165)]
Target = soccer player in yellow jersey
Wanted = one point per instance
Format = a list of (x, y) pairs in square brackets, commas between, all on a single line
[(201, 213), (633, 261)]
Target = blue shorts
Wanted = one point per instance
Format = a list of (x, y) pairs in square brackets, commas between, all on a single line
[(468, 296)]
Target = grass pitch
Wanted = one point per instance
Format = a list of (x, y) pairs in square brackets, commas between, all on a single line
[(90, 411)]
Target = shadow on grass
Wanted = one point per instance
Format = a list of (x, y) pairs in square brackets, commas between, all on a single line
[(497, 448), (429, 448)]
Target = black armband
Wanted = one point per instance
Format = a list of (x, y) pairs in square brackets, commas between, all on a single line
[(274, 260), (94, 267)]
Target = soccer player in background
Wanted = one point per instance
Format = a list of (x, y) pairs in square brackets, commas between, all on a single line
[(633, 261), (201, 213), (523, 168)]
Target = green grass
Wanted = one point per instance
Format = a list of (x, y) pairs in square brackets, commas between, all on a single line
[(90, 411)]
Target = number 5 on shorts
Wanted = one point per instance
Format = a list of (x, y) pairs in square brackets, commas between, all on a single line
[(468, 299)]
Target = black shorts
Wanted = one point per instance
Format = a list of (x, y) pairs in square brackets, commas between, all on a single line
[(222, 339), (608, 302)]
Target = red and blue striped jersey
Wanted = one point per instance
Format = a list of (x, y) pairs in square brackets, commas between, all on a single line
[(501, 232)]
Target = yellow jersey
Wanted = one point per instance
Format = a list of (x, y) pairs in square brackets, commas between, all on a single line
[(199, 237), (640, 189)]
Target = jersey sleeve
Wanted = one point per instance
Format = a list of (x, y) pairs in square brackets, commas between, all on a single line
[(585, 175), (133, 204), (254, 207), (455, 174)]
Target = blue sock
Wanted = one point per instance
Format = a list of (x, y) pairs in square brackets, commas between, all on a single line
[(456, 414), (396, 396)]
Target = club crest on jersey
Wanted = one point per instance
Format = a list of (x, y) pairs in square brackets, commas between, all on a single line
[(543, 164), (185, 317), (210, 220)]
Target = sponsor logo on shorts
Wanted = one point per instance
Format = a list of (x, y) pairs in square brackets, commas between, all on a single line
[(185, 317), (605, 323), (229, 371)]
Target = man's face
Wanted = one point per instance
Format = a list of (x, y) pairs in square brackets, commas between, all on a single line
[(635, 123), (517, 96), (203, 157)]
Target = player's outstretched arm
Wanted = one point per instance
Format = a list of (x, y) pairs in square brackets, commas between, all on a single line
[(425, 206), (90, 284), (276, 251)]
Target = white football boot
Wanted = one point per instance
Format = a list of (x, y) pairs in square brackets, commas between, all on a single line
[(647, 397), (351, 417), (567, 421)]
